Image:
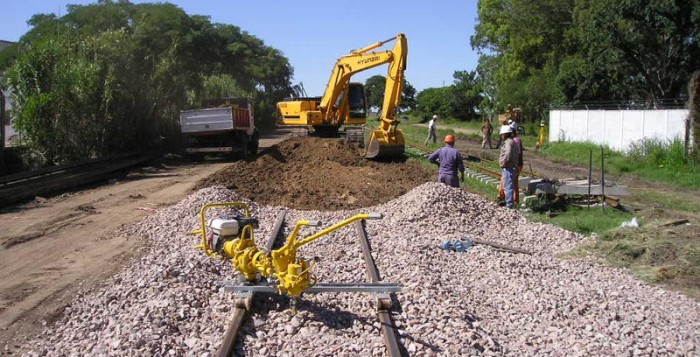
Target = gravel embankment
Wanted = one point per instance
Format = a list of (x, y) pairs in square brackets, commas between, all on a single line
[(453, 304)]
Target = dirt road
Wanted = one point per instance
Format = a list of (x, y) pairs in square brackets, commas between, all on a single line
[(52, 249)]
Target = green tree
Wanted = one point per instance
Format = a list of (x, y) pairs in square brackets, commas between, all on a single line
[(434, 101), (521, 44), (535, 54), (465, 95), (632, 49), (408, 96), (374, 91), (113, 76)]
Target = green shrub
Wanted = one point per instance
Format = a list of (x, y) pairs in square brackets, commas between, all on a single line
[(658, 152)]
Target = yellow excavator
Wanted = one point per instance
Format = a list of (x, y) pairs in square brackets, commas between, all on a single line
[(343, 102)]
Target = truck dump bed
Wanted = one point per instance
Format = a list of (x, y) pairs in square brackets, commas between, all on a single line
[(214, 120)]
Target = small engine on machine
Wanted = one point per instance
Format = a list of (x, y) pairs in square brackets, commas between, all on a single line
[(226, 229)]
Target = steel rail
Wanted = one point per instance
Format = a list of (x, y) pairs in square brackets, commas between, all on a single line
[(483, 169), (28, 186), (377, 288), (50, 170), (243, 304), (389, 329)]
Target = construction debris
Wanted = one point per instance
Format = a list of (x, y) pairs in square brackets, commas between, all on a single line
[(575, 187)]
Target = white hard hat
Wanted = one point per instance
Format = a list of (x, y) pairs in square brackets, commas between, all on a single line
[(435, 116), (505, 129)]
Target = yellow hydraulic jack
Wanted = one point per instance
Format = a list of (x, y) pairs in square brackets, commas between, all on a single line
[(233, 239)]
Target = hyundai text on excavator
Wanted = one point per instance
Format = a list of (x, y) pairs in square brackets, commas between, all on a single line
[(343, 102)]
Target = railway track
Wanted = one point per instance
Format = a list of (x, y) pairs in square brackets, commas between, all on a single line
[(19, 187), (383, 301), (242, 305), (479, 168)]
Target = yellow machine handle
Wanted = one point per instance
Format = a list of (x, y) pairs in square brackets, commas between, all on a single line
[(202, 231), (328, 230)]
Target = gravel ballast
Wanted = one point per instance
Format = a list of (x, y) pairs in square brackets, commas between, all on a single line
[(482, 301)]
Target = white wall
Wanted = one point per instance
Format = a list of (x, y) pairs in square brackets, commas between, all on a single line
[(616, 128)]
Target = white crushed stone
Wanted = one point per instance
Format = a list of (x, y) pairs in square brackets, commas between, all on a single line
[(483, 301)]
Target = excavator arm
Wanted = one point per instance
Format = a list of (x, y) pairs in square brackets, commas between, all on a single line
[(340, 99), (334, 97), (387, 141)]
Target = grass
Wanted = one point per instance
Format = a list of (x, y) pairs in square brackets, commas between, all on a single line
[(486, 190), (648, 162), (584, 220), (670, 257), (451, 122), (655, 255), (667, 200)]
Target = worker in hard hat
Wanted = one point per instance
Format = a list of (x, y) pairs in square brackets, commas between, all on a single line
[(519, 167), (487, 130), (450, 161), (432, 130), (508, 160)]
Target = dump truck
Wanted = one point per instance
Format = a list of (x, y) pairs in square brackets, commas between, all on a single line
[(224, 126)]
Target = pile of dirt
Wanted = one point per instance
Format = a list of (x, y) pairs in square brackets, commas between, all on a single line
[(310, 173)]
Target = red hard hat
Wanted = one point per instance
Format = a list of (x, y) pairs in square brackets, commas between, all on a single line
[(450, 139)]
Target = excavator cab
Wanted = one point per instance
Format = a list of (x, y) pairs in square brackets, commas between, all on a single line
[(357, 106)]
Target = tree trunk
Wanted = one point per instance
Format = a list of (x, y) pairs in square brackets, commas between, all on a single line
[(694, 113)]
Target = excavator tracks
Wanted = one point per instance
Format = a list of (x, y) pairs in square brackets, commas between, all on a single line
[(355, 136)]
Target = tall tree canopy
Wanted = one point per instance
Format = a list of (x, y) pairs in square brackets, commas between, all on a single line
[(113, 76), (460, 100), (374, 91), (538, 53)]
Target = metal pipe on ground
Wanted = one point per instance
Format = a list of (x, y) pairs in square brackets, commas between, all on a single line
[(501, 246)]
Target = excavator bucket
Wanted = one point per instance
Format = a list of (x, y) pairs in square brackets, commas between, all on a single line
[(385, 145)]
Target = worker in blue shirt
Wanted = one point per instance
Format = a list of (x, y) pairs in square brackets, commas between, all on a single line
[(450, 161)]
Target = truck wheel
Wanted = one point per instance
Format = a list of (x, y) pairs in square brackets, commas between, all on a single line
[(254, 143), (245, 147)]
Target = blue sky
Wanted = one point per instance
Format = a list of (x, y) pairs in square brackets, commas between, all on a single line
[(313, 34)]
